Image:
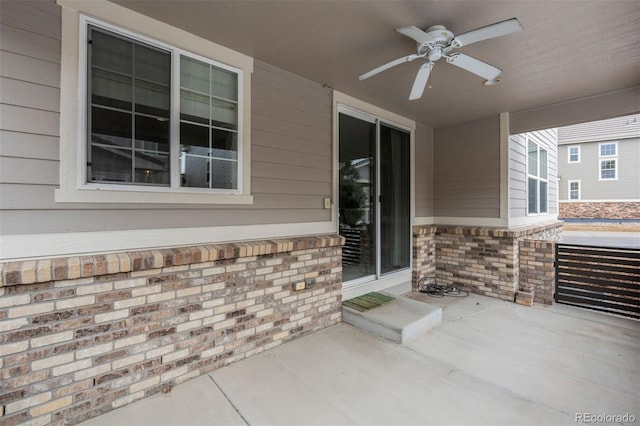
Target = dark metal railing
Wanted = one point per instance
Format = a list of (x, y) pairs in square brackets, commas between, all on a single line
[(600, 278)]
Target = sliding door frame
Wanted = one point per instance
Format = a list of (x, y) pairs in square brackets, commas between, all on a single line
[(344, 104)]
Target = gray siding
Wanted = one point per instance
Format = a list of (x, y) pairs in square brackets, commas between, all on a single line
[(606, 105), (627, 126), (291, 143), (518, 170), (467, 169), (424, 170), (627, 187)]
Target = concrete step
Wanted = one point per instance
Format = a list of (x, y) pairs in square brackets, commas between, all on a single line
[(399, 320)]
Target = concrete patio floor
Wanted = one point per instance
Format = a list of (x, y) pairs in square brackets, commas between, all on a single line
[(490, 362)]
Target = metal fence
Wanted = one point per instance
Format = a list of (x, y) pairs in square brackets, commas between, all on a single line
[(599, 278)]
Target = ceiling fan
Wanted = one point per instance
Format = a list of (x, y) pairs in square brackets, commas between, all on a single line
[(438, 42)]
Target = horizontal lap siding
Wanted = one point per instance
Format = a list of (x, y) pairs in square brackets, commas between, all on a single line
[(467, 169), (291, 143), (588, 172), (424, 171), (627, 126), (547, 139)]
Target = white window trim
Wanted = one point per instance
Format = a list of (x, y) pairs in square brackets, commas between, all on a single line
[(607, 143), (602, 158), (579, 182), (537, 178), (569, 154), (600, 161), (73, 186)]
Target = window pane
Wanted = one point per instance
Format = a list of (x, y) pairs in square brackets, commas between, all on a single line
[(224, 114), (574, 155), (153, 99), (607, 149), (608, 169), (196, 171), (224, 140), (110, 89), (110, 165), (194, 139), (209, 154), (533, 196), (110, 127), (111, 52), (543, 163), (543, 197), (224, 174), (224, 84), (574, 190), (194, 75), (194, 107), (152, 64), (126, 72), (152, 134), (151, 168), (533, 159)]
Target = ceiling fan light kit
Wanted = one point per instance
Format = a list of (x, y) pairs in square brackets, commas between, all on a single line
[(492, 82), (437, 42)]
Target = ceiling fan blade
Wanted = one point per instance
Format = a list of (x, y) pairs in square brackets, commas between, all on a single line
[(421, 81), (416, 33), (388, 65), (476, 66), (490, 31)]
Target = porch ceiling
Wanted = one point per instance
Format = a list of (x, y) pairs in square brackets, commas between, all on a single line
[(569, 49)]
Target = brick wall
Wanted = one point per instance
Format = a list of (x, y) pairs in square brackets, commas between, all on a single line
[(607, 210), (537, 271), (481, 260), (81, 336), (424, 251)]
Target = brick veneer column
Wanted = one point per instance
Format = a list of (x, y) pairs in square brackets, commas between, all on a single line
[(424, 254), (537, 270)]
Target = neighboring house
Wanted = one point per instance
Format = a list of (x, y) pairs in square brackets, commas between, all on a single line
[(170, 206), (599, 169)]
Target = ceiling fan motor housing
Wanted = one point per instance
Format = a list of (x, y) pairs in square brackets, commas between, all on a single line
[(433, 50)]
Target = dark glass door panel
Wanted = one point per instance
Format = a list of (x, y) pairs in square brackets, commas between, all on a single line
[(395, 201), (357, 213)]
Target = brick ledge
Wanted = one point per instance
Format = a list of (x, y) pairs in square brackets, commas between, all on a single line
[(517, 232), (74, 267)]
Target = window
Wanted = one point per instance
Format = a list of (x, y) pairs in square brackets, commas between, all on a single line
[(574, 154), (537, 185), (130, 116), (608, 163), (160, 118), (574, 190), (608, 170), (608, 149)]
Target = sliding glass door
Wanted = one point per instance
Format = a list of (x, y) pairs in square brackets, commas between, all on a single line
[(395, 201), (357, 208), (374, 197)]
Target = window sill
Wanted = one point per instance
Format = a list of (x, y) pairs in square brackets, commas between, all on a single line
[(147, 197)]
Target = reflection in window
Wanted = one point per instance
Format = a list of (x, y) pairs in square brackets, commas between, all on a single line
[(208, 126), (130, 106), (537, 182)]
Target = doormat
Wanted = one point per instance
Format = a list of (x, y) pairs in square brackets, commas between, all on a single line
[(367, 301)]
